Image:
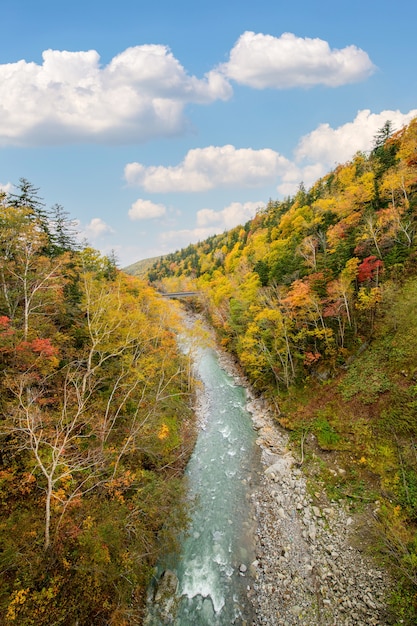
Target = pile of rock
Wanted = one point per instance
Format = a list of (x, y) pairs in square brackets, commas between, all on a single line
[(306, 571)]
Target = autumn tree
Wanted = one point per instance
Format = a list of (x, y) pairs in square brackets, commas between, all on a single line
[(370, 270), (266, 351), (308, 250), (341, 297), (31, 282), (94, 395), (75, 438)]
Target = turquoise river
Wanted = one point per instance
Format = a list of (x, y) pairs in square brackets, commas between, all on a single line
[(211, 571)]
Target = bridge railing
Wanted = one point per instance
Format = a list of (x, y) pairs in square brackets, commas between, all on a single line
[(180, 294)]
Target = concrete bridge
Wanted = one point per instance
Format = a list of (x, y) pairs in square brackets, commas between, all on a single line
[(181, 294)]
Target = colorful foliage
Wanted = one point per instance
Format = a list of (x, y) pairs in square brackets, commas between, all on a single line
[(95, 400), (370, 269), (299, 293)]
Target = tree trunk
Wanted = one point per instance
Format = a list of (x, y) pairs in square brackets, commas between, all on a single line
[(48, 516)]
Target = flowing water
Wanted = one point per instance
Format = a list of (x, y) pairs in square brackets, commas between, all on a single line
[(217, 548)]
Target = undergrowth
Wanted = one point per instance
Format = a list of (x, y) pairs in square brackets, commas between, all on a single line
[(357, 436)]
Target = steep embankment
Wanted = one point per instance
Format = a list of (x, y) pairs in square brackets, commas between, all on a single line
[(312, 566)]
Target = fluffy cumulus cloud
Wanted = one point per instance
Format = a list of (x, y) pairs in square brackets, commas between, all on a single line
[(261, 61), (142, 93), (229, 217), (216, 167), (145, 210), (325, 147), (208, 168), (210, 222), (329, 146), (139, 95), (95, 229)]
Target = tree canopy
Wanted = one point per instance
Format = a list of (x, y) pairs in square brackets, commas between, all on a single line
[(94, 426)]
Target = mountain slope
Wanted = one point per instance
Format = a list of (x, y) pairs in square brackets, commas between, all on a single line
[(316, 297)]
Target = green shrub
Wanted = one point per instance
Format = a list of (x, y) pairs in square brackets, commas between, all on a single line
[(327, 437)]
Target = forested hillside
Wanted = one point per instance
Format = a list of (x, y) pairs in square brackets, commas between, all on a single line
[(317, 299), (95, 425)]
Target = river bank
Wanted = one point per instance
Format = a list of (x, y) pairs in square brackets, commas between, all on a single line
[(309, 568)]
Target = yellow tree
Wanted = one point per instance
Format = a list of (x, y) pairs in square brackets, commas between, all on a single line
[(396, 186), (217, 291), (31, 282), (408, 144), (341, 292), (265, 349), (367, 301), (307, 310), (80, 420), (308, 250)]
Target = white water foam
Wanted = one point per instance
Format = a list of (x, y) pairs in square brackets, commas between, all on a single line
[(201, 579)]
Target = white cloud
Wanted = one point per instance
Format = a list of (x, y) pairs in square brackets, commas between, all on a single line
[(95, 229), (182, 238), (145, 209), (330, 146), (215, 167), (262, 61), (210, 222), (142, 93), (325, 147), (6, 188), (139, 95), (229, 217), (209, 168)]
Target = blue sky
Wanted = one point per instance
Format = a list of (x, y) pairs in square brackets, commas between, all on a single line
[(156, 124)]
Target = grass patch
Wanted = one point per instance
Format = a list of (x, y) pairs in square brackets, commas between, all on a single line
[(365, 379), (327, 437)]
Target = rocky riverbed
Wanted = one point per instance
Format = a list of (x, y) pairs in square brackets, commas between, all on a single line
[(309, 569)]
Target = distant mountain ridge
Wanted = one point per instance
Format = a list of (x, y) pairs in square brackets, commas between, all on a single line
[(140, 268)]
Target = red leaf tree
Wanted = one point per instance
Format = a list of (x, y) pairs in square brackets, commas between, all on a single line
[(370, 269)]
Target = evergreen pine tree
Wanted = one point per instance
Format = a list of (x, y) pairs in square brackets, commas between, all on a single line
[(28, 197), (63, 231)]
